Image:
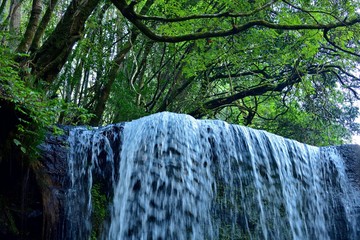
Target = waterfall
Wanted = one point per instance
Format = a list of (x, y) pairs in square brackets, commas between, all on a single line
[(169, 176)]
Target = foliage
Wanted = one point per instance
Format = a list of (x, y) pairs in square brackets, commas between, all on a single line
[(29, 103), (317, 114), (7, 218), (99, 210), (36, 112), (288, 67)]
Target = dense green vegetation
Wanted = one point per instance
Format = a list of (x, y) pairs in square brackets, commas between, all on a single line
[(289, 67)]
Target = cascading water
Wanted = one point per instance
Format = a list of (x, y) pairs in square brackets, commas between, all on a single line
[(169, 176)]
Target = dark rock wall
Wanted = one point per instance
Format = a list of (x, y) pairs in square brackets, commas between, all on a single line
[(51, 179), (32, 191), (32, 195), (351, 155)]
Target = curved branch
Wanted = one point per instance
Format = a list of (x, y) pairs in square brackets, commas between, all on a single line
[(129, 13), (309, 12), (336, 46), (204, 16), (254, 91), (342, 70), (345, 85), (275, 117), (241, 74)]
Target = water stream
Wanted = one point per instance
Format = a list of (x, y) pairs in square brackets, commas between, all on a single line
[(169, 176)]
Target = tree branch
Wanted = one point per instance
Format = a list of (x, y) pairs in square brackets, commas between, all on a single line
[(241, 74), (253, 91), (336, 46), (129, 13), (342, 70), (203, 16), (309, 12), (346, 85)]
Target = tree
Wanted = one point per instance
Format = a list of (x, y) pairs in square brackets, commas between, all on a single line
[(209, 59), (289, 67)]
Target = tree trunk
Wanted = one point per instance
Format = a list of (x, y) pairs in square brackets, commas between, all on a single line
[(42, 26), (2, 9), (104, 92), (31, 27), (52, 55), (15, 18)]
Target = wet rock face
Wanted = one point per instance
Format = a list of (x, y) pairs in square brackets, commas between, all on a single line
[(32, 192), (53, 156), (351, 155), (52, 180), (54, 174), (51, 177)]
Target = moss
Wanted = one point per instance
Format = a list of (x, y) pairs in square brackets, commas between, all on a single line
[(99, 209), (7, 219)]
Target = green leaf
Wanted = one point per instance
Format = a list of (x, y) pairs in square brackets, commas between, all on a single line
[(23, 149), (17, 142)]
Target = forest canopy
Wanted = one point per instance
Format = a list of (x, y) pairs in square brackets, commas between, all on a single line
[(288, 67)]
